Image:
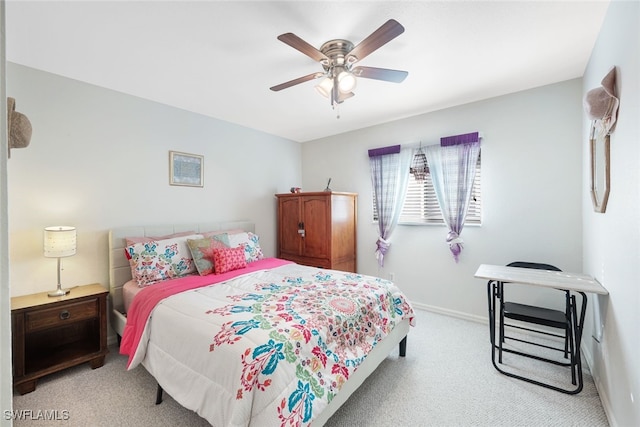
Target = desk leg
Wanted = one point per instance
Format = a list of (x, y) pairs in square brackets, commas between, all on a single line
[(491, 306), (492, 289), (576, 366)]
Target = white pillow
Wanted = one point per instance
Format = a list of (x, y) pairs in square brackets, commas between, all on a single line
[(251, 242)]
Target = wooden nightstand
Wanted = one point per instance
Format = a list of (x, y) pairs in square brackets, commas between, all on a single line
[(51, 334)]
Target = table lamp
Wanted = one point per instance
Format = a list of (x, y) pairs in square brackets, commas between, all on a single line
[(59, 241)]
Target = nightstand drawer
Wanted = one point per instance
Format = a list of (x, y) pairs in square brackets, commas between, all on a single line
[(67, 313)]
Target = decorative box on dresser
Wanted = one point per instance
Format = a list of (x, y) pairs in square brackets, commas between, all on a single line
[(50, 334), (318, 229)]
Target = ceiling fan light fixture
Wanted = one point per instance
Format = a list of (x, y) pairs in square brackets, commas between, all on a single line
[(346, 81), (325, 86), (338, 57)]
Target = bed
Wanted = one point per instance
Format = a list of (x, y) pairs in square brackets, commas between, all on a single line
[(271, 343)]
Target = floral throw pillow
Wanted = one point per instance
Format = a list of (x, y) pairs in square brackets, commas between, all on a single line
[(159, 260), (202, 253), (228, 259), (251, 242)]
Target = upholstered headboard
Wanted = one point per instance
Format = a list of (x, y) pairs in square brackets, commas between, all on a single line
[(119, 269)]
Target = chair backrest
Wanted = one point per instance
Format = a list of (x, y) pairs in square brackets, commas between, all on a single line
[(535, 265), (538, 266)]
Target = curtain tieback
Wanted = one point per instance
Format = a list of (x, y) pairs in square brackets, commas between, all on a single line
[(382, 246), (453, 237), (455, 244)]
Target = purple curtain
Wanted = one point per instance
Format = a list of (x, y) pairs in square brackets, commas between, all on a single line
[(389, 176), (453, 169)]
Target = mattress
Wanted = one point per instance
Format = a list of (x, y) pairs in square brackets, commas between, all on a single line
[(129, 291)]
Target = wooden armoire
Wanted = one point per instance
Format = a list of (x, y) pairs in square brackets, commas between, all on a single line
[(318, 229)]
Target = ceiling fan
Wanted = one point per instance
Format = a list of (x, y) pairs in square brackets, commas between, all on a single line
[(338, 58)]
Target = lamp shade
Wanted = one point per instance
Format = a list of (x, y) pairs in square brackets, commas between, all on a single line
[(59, 241), (325, 86), (346, 82)]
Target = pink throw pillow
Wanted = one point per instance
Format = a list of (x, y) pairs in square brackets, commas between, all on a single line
[(228, 259)]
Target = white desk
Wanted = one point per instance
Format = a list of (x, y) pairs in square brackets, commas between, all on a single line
[(581, 284), (548, 279)]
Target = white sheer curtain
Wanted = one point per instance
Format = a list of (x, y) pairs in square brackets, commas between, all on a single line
[(389, 177), (453, 169)]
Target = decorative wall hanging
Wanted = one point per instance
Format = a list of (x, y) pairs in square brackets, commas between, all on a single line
[(186, 169), (601, 106), (19, 127), (419, 168)]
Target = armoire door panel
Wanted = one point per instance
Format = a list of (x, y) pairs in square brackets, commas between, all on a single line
[(290, 241), (316, 225), (343, 228)]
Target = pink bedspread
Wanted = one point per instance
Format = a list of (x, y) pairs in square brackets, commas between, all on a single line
[(146, 300)]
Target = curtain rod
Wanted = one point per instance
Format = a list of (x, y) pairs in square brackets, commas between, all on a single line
[(396, 148), (421, 142)]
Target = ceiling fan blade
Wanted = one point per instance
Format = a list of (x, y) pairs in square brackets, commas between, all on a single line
[(304, 47), (383, 35), (296, 81), (395, 76)]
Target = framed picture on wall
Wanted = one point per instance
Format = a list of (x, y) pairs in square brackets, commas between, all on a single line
[(186, 169)]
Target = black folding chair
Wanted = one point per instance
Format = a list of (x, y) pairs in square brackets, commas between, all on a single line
[(528, 314)]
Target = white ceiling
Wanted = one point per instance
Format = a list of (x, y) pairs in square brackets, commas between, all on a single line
[(219, 58)]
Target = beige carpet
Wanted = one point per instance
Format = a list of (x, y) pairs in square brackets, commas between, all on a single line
[(446, 380)]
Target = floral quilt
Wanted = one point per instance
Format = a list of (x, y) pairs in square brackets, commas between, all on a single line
[(268, 348)]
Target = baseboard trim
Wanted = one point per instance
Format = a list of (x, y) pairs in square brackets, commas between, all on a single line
[(604, 397), (451, 313)]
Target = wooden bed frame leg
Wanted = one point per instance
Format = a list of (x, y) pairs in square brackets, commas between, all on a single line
[(159, 395), (403, 347)]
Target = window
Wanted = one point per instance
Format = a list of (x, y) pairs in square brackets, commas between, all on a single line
[(421, 205)]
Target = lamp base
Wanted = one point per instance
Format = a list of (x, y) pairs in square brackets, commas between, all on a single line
[(59, 292)]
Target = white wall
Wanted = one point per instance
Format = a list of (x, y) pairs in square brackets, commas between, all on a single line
[(531, 192), (612, 240), (100, 159)]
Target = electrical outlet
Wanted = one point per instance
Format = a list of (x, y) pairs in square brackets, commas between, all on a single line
[(392, 276)]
